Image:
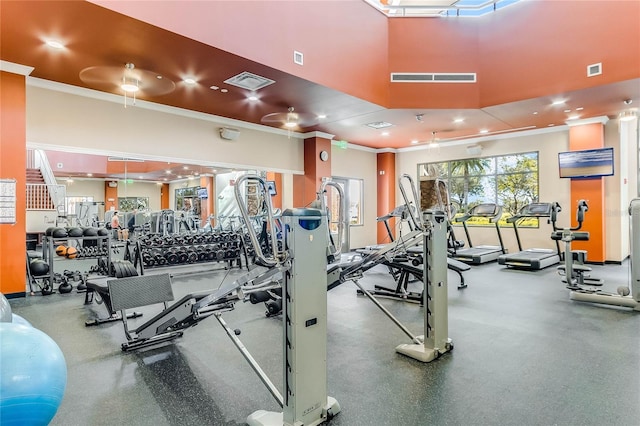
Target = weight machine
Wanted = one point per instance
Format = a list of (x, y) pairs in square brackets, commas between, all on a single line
[(582, 287)]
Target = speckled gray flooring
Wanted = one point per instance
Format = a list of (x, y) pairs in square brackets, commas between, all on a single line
[(524, 355)]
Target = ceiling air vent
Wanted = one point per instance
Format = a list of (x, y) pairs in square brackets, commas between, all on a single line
[(379, 125), (249, 81), (594, 69), (412, 77)]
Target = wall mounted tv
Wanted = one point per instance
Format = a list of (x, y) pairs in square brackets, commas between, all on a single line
[(202, 193), (588, 163)]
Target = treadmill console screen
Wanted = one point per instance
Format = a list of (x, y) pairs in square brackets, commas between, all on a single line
[(537, 209)]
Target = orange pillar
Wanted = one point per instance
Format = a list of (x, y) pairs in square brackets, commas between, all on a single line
[(589, 136), (305, 186), (276, 200), (13, 166), (164, 197), (386, 186), (110, 196)]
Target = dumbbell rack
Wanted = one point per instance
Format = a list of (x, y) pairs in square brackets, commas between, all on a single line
[(157, 251), (49, 246)]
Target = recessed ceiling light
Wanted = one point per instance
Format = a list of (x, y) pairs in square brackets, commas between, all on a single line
[(89, 174), (164, 179), (535, 112), (558, 102), (458, 120), (385, 133), (214, 87), (253, 98), (573, 117), (414, 141), (54, 44), (550, 125), (189, 81), (179, 176), (140, 177), (321, 116), (567, 110), (579, 109), (224, 90), (168, 172), (290, 124), (185, 167), (484, 131)]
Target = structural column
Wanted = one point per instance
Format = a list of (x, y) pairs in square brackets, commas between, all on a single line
[(589, 134), (316, 167), (386, 166), (13, 166)]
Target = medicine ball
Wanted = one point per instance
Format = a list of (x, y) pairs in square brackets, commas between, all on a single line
[(38, 267), (72, 253), (59, 233), (75, 232), (91, 232), (49, 230), (61, 250), (103, 232)]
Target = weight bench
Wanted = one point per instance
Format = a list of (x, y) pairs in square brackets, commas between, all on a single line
[(99, 287)]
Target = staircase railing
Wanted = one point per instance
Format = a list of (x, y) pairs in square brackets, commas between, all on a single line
[(37, 159), (41, 196)]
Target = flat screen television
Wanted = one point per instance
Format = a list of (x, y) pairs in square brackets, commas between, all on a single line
[(271, 187), (202, 193), (588, 163)]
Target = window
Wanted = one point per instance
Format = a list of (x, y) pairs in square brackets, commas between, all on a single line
[(129, 204), (508, 180)]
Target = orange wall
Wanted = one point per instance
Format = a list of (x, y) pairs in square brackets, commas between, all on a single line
[(589, 136), (535, 46), (344, 42), (386, 192), (13, 160)]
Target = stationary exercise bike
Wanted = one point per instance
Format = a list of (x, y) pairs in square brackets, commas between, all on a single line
[(574, 270)]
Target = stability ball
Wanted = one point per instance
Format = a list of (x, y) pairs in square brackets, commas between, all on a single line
[(5, 309), (17, 319), (33, 376)]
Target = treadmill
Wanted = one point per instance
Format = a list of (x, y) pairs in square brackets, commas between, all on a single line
[(533, 258), (481, 254)]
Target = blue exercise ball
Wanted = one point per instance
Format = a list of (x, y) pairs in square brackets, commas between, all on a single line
[(5, 309), (33, 376), (17, 319)]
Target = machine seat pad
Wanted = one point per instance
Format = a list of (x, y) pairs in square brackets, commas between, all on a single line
[(456, 265), (142, 290), (99, 285)]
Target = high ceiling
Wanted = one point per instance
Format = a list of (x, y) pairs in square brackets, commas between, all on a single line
[(94, 36)]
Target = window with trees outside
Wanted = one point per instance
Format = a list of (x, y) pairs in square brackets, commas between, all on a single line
[(507, 180)]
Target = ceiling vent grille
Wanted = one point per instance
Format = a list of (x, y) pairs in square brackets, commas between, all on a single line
[(379, 125), (249, 81), (411, 77), (594, 69)]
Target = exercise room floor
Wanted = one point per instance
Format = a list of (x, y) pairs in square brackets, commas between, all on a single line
[(524, 355)]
